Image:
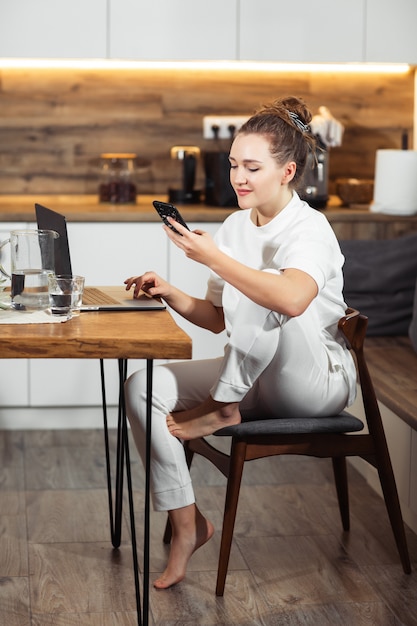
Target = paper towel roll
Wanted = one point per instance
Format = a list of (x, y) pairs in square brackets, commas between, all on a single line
[(395, 187)]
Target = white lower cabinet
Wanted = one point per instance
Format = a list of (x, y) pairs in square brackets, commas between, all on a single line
[(14, 383), (71, 382)]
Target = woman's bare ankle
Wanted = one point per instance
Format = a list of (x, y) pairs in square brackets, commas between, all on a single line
[(185, 541)]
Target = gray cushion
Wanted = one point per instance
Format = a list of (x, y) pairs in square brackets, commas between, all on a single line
[(379, 281), (342, 423)]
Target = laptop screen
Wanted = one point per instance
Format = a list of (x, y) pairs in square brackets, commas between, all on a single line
[(50, 220)]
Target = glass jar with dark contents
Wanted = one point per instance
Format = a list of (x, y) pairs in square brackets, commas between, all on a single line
[(118, 178)]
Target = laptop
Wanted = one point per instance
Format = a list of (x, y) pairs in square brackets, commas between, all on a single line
[(94, 298)]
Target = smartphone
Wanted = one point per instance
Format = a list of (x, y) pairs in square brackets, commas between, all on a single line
[(169, 210)]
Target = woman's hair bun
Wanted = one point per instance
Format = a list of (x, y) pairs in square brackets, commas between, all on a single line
[(284, 106)]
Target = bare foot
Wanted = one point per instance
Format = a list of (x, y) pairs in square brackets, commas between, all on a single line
[(188, 534), (203, 420)]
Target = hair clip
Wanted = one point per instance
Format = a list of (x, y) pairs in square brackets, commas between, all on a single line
[(300, 125)]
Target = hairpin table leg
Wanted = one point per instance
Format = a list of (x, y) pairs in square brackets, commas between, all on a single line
[(123, 453), (115, 511)]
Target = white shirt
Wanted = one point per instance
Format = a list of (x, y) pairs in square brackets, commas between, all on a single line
[(298, 237)]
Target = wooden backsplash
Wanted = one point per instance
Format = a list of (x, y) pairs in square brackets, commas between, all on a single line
[(55, 123)]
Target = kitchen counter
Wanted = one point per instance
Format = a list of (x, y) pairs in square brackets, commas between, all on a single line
[(355, 222), (87, 208)]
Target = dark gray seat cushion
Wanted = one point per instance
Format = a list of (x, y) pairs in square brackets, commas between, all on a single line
[(379, 280), (342, 423)]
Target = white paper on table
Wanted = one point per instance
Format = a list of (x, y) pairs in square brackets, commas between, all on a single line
[(10, 316)]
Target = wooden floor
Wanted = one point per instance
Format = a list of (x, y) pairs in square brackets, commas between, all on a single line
[(291, 562)]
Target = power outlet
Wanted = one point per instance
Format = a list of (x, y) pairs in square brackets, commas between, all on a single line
[(223, 122)]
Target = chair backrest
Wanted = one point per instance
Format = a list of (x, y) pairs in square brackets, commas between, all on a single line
[(353, 326)]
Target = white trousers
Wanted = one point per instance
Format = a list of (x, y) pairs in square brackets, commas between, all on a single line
[(273, 365)]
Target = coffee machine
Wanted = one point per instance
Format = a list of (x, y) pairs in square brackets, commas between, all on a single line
[(314, 186), (218, 188), (187, 158)]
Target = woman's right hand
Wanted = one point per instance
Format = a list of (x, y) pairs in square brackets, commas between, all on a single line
[(196, 310), (150, 283)]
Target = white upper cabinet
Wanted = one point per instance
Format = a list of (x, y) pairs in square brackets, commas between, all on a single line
[(180, 30), (53, 28), (173, 30), (305, 31), (391, 31)]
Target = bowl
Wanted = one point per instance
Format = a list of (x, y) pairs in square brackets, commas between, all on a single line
[(355, 190)]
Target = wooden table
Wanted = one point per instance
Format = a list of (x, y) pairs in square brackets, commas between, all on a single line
[(92, 335), (117, 335)]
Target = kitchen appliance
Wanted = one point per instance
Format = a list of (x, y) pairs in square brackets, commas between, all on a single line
[(314, 185), (218, 188), (187, 158), (328, 133)]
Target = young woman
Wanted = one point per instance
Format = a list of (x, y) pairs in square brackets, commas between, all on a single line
[(276, 286)]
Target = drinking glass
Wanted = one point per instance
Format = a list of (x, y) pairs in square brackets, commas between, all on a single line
[(65, 294)]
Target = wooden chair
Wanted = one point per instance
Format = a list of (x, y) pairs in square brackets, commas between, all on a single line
[(324, 437)]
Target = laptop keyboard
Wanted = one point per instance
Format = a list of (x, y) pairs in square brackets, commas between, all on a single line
[(94, 296)]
